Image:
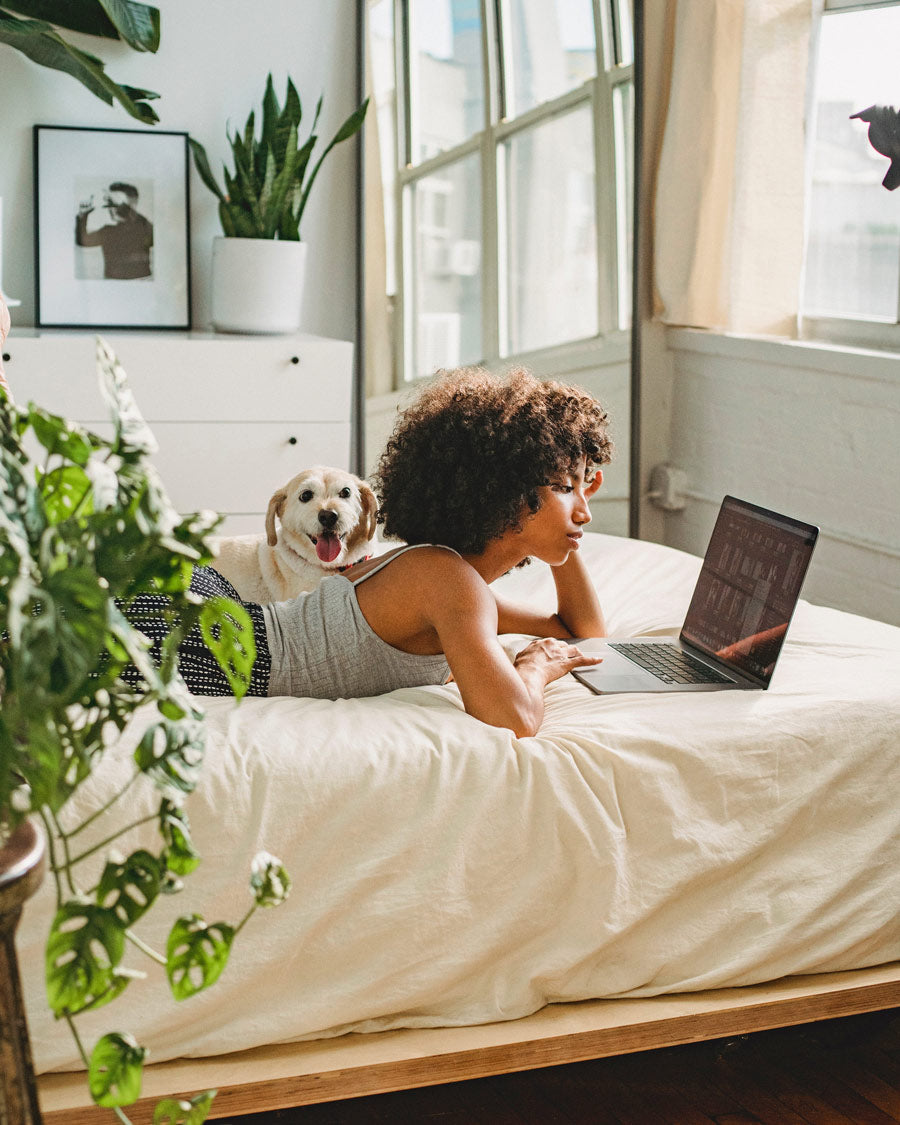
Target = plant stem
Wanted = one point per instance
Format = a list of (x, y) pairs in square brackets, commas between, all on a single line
[(243, 922), (144, 948), (51, 848), (109, 804), (71, 1022), (108, 840), (64, 840)]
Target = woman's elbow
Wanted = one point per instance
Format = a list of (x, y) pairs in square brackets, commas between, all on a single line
[(523, 722)]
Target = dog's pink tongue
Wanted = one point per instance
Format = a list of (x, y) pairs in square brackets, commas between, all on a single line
[(328, 547)]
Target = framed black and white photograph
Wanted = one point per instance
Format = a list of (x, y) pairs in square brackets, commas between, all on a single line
[(112, 238)]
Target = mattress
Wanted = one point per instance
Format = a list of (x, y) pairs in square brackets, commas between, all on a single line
[(446, 872)]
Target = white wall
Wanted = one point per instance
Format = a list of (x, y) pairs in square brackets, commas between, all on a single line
[(809, 430), (210, 69)]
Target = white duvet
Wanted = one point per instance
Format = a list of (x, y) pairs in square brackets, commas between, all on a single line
[(446, 872)]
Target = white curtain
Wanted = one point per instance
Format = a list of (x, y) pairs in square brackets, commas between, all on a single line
[(729, 187)]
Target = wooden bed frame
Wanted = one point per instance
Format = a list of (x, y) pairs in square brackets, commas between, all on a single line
[(294, 1074)]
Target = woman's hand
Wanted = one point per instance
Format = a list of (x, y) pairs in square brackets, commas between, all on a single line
[(549, 659)]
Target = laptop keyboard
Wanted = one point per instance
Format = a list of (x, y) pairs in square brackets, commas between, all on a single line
[(670, 664)]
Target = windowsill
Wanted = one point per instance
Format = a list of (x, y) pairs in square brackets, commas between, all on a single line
[(817, 355)]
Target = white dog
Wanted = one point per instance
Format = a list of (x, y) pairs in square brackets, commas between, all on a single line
[(327, 521)]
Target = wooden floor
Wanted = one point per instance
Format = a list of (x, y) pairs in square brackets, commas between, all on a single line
[(837, 1072)]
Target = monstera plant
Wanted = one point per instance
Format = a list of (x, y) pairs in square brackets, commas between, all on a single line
[(85, 526), (31, 26)]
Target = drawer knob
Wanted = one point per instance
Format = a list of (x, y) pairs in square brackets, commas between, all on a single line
[(6, 357), (292, 440), (295, 359)]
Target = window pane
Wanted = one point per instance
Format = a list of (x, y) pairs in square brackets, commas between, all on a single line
[(445, 210), (853, 249), (445, 75), (550, 233), (623, 113), (548, 50)]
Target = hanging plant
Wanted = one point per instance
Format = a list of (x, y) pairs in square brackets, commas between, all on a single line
[(37, 37)]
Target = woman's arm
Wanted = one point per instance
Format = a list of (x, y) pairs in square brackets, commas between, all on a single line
[(493, 689), (578, 608), (577, 603)]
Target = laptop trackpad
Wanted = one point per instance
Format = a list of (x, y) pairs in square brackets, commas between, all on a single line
[(616, 673)]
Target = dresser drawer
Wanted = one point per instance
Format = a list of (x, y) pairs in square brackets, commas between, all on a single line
[(234, 467), (235, 417), (189, 378)]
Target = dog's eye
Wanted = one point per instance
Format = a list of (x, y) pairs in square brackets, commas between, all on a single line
[(305, 496), (344, 494)]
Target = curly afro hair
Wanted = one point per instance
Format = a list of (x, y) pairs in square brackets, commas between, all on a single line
[(466, 459)]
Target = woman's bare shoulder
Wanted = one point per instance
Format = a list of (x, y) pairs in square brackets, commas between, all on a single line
[(422, 560)]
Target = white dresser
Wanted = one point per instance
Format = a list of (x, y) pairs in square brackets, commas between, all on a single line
[(235, 416)]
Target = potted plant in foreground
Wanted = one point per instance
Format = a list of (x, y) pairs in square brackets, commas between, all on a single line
[(258, 265), (84, 527)]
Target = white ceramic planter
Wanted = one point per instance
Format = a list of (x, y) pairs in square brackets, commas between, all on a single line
[(257, 284)]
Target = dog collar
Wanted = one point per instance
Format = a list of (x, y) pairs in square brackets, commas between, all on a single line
[(350, 566)]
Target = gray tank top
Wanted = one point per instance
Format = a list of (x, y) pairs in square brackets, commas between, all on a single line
[(323, 648)]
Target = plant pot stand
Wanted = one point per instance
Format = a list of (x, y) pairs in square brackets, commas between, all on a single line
[(21, 871)]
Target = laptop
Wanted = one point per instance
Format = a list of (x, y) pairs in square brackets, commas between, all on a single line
[(738, 617)]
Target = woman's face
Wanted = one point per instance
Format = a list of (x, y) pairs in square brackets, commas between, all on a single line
[(555, 529)]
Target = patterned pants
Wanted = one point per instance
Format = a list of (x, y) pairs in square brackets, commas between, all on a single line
[(196, 663)]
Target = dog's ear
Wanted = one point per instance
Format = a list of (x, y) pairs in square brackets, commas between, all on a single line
[(276, 507), (370, 509)]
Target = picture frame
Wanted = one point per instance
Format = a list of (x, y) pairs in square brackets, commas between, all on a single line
[(112, 228)]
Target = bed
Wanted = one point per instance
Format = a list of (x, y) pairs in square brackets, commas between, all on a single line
[(647, 870)]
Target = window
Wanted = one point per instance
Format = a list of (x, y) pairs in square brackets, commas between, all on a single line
[(851, 289), (506, 140)]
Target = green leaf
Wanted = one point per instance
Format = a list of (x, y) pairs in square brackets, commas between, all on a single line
[(196, 954), (269, 880), (130, 887), (201, 162), (270, 117), (171, 1111), (133, 435), (350, 126), (228, 633), (180, 855), (171, 753), (136, 23), (38, 41), (65, 490), (85, 945), (59, 436), (116, 1070), (288, 122)]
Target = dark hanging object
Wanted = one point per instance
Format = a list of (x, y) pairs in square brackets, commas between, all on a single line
[(884, 137)]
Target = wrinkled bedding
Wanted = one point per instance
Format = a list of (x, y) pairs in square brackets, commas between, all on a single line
[(446, 872)]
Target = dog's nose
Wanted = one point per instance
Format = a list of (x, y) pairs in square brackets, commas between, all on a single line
[(327, 518)]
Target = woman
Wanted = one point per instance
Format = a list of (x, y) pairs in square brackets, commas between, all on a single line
[(481, 473)]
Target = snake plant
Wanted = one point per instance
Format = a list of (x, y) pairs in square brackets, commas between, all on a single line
[(266, 195)]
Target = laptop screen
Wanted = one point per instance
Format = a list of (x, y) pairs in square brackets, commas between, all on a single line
[(748, 587)]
